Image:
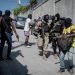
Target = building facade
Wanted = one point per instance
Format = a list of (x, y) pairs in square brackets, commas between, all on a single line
[(66, 8)]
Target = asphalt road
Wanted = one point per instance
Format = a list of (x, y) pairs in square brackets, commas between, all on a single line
[(26, 61)]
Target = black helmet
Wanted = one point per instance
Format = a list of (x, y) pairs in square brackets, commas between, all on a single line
[(7, 12), (30, 16), (46, 18), (68, 22), (58, 16), (0, 13)]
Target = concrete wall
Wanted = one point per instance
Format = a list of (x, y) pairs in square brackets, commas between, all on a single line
[(25, 14), (66, 8), (73, 11), (45, 8)]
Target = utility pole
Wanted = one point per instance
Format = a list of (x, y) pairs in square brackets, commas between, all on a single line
[(54, 6), (19, 2)]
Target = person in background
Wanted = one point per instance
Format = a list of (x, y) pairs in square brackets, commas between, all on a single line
[(7, 27), (27, 30)]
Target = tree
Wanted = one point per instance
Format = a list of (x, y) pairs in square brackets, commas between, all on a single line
[(20, 9), (33, 2)]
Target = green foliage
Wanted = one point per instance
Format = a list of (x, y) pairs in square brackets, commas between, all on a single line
[(20, 9), (33, 2), (24, 8)]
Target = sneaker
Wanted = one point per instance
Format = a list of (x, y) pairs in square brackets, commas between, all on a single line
[(28, 46), (71, 71), (41, 53), (62, 70)]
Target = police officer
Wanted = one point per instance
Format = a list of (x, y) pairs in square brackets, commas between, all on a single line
[(43, 35), (56, 31), (45, 32)]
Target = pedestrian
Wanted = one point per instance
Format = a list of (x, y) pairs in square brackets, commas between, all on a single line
[(67, 49), (27, 30), (7, 27)]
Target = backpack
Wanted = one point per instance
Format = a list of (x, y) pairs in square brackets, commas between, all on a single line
[(65, 43)]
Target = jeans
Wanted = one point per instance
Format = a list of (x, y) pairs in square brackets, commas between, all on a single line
[(6, 37), (70, 58)]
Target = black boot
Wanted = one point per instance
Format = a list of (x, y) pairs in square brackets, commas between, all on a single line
[(71, 70), (62, 70), (41, 53)]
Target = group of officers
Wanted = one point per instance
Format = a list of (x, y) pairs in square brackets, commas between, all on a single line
[(48, 33)]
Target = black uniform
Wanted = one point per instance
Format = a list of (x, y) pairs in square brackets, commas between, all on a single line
[(56, 30), (6, 34)]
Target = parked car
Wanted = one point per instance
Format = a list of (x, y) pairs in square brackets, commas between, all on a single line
[(20, 22)]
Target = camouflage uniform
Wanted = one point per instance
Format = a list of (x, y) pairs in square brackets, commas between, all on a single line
[(43, 40)]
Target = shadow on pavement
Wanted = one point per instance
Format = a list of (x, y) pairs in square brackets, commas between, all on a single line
[(13, 41), (15, 54), (21, 45), (49, 54), (67, 64), (31, 43), (18, 46), (13, 67)]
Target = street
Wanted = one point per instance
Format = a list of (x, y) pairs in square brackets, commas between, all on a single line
[(26, 61)]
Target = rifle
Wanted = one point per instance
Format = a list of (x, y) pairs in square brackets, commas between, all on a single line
[(62, 36)]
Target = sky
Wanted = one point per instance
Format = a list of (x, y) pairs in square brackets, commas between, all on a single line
[(11, 4)]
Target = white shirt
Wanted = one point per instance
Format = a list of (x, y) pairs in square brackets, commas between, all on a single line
[(27, 23)]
